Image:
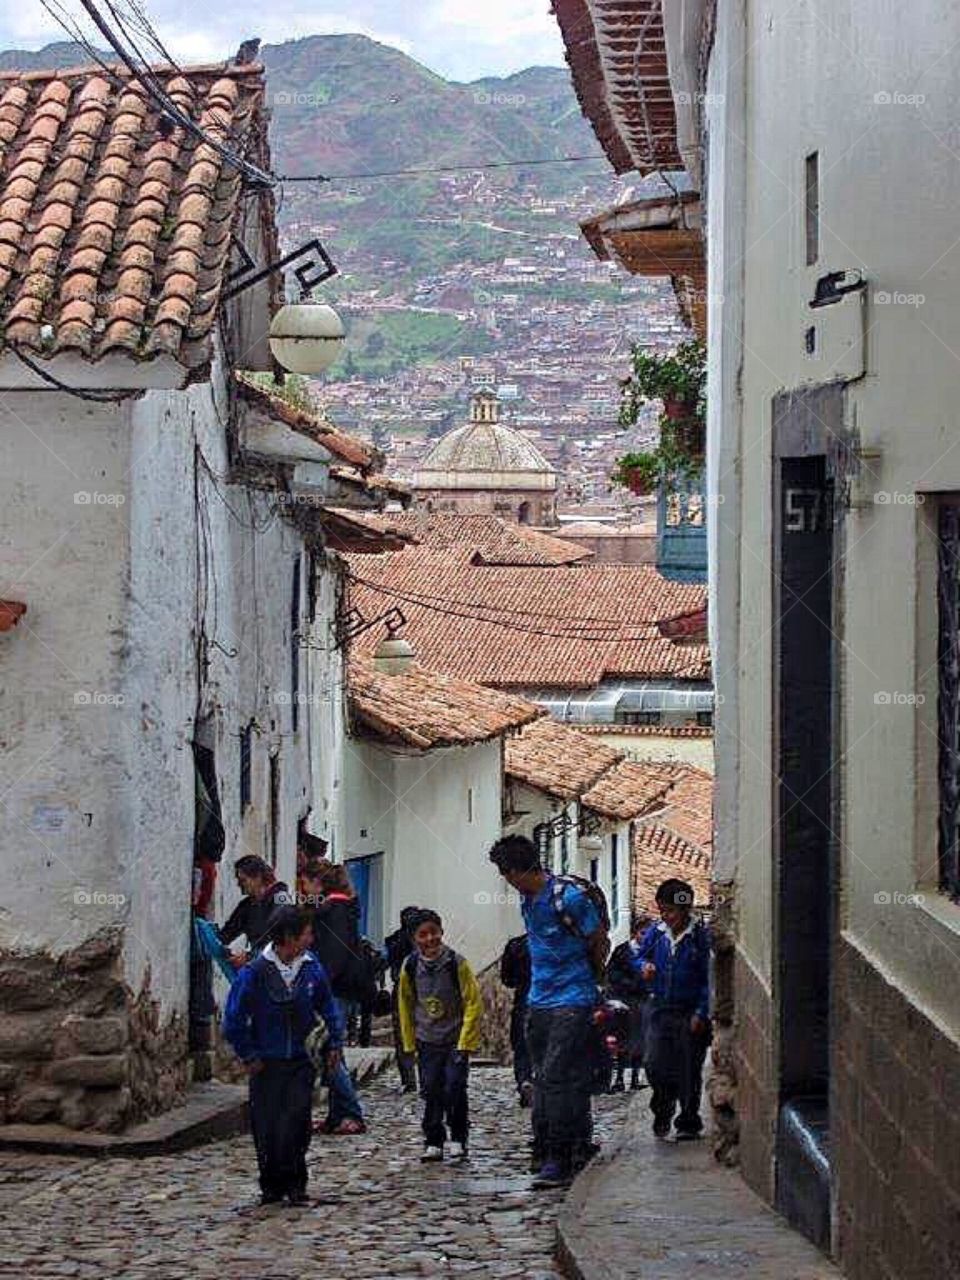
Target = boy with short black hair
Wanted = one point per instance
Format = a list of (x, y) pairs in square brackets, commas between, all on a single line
[(674, 960), (440, 1009)]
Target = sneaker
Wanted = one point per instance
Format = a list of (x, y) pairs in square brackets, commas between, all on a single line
[(688, 1135), (661, 1128), (299, 1200), (266, 1201), (431, 1155), (526, 1094), (457, 1150), (550, 1175)]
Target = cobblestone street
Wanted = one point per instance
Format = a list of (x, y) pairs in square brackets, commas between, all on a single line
[(191, 1216)]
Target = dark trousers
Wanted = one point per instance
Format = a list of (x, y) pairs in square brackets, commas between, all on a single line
[(280, 1098), (443, 1087), (562, 1043), (674, 1060), (522, 1068)]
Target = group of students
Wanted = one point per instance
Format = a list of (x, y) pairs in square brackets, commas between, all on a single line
[(285, 1022)]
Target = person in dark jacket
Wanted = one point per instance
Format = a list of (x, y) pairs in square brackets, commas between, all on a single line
[(674, 960), (272, 1007), (252, 916), (398, 945), (625, 982), (336, 944), (515, 975)]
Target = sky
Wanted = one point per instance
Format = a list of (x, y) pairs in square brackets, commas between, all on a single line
[(460, 39)]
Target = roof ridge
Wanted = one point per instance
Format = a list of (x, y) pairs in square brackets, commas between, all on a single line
[(86, 69)]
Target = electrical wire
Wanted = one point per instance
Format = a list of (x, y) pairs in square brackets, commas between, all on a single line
[(443, 168), (426, 599), (508, 624), (97, 397)]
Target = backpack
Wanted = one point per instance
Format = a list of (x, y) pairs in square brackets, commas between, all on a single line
[(410, 969), (593, 892)]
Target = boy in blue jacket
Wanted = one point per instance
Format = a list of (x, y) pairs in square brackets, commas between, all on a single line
[(273, 1006), (674, 960)]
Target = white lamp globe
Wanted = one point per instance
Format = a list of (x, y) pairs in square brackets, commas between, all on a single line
[(306, 337)]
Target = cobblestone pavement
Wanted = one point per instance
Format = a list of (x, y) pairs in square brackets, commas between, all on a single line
[(191, 1216)]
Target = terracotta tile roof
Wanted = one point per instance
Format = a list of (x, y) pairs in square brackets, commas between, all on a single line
[(617, 54), (649, 730), (348, 449), (424, 709), (628, 790), (554, 758), (115, 237), (678, 844), (566, 626), (496, 541)]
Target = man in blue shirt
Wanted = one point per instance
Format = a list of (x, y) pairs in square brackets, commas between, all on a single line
[(674, 961), (568, 948)]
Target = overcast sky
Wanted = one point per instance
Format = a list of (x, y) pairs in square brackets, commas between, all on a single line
[(462, 39)]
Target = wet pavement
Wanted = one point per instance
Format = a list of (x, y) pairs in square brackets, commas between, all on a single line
[(191, 1216)]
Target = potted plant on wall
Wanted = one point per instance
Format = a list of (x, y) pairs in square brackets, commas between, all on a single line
[(678, 380)]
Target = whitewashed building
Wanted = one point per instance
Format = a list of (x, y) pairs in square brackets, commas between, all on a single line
[(161, 550)]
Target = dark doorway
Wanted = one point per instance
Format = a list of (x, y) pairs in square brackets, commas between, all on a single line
[(804, 840)]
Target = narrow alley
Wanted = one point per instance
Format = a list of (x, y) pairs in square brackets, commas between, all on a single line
[(193, 1215)]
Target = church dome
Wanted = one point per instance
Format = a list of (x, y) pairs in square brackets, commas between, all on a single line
[(487, 451)]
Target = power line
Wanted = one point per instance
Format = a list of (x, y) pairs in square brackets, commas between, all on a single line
[(444, 168), (508, 624)]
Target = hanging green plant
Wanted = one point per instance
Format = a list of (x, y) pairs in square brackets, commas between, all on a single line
[(679, 382)]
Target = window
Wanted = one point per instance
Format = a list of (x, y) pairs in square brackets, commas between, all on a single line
[(470, 804), (295, 646), (948, 696), (594, 870), (274, 808), (812, 206), (614, 877), (246, 762), (705, 718), (564, 853), (640, 717)]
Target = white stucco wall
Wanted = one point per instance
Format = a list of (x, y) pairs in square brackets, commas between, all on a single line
[(96, 824), (889, 191), (434, 817)]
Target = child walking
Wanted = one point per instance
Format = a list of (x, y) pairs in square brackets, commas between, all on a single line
[(674, 959), (440, 1009)]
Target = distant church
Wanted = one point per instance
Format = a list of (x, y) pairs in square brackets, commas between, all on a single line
[(487, 468)]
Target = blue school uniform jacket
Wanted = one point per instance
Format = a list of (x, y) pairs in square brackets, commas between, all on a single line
[(266, 1019), (682, 980)]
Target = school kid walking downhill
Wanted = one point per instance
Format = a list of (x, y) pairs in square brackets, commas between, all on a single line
[(674, 959), (440, 1008), (273, 1007)]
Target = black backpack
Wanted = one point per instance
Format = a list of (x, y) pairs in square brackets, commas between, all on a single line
[(593, 892)]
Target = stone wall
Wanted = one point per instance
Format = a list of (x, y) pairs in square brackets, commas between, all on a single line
[(754, 1067), (896, 1131), (80, 1048), (497, 1003), (722, 1080)]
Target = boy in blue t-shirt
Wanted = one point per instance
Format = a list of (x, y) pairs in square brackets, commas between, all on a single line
[(568, 948)]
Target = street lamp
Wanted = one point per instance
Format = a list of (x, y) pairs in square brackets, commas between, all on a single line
[(306, 337)]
